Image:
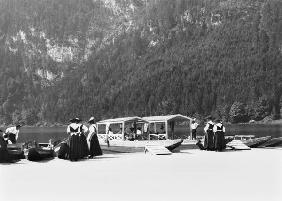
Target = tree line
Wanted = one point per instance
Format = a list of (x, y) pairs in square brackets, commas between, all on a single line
[(198, 58)]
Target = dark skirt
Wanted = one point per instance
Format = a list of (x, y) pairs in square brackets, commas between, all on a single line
[(4, 155), (219, 141), (209, 140), (95, 149), (74, 146), (83, 146), (194, 134)]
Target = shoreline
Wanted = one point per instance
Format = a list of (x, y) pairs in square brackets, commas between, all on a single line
[(189, 174)]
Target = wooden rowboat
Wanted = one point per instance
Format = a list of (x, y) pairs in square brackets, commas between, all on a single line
[(274, 142), (256, 142), (39, 152)]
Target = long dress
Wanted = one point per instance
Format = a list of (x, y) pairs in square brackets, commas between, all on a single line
[(83, 150), (209, 138), (74, 145), (4, 155), (95, 149), (219, 139)]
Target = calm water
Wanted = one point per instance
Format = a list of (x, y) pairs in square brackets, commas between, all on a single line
[(56, 133)]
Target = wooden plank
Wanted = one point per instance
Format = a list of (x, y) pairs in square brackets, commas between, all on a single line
[(237, 145), (157, 150)]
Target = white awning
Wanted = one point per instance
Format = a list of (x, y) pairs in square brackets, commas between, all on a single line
[(176, 117), (123, 120)]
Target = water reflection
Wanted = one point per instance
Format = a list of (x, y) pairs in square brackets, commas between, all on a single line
[(57, 133)]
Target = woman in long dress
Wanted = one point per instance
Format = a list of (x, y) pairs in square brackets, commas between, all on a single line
[(74, 146), (83, 147), (209, 136), (94, 145), (219, 139)]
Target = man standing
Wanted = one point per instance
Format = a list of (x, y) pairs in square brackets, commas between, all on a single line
[(194, 127), (11, 134)]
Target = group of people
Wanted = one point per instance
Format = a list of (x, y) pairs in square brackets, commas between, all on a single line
[(214, 139), (78, 145)]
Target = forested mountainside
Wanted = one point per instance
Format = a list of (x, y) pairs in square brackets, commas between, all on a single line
[(114, 58)]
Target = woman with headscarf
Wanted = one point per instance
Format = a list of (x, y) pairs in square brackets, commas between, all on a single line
[(209, 136), (74, 146), (94, 145), (219, 139)]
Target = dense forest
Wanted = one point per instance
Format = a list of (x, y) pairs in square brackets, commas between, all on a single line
[(114, 58)]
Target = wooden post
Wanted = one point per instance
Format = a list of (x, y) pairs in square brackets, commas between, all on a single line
[(190, 129), (122, 132), (166, 129)]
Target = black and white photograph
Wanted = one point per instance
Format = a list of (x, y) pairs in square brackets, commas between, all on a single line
[(140, 100)]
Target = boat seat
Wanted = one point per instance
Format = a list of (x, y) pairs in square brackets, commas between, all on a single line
[(237, 145), (157, 150)]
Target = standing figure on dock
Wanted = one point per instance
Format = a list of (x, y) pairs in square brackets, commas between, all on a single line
[(209, 136), (194, 127), (83, 151), (11, 134), (94, 145), (74, 148), (219, 139)]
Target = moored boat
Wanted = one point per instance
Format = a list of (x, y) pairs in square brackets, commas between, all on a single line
[(274, 142), (132, 134), (38, 152), (139, 146), (251, 141)]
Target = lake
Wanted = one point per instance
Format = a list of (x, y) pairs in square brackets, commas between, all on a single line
[(58, 133)]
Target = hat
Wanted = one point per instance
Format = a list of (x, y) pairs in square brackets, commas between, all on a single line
[(218, 120), (73, 120), (18, 126), (78, 119), (92, 119)]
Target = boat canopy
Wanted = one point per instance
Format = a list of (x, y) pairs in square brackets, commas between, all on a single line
[(175, 117), (120, 128), (166, 123), (123, 120)]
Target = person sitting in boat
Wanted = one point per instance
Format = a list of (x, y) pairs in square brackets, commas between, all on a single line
[(131, 136), (219, 133), (94, 145), (139, 133), (73, 130), (11, 134), (209, 136)]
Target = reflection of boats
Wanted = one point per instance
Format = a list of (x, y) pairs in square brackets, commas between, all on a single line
[(251, 141), (274, 142)]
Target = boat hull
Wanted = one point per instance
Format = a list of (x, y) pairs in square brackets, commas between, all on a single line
[(138, 146), (38, 154), (254, 143), (274, 142)]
